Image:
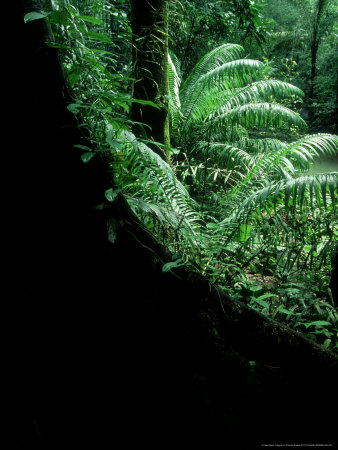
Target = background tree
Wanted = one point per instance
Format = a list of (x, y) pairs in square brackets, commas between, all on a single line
[(305, 34), (198, 27), (317, 20)]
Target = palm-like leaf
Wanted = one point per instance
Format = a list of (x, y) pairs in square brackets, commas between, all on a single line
[(223, 91), (229, 113), (217, 57), (300, 191), (174, 86), (255, 115), (282, 161), (151, 188)]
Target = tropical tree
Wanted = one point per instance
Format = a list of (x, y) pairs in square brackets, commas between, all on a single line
[(198, 27), (317, 19), (305, 37)]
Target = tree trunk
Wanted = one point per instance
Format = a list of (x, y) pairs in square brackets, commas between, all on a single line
[(103, 345), (314, 50), (315, 36), (150, 59)]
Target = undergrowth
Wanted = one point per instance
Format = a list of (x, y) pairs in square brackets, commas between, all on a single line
[(239, 200)]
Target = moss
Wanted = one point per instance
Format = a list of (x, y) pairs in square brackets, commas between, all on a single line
[(151, 73)]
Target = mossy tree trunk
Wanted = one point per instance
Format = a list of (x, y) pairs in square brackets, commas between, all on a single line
[(150, 60)]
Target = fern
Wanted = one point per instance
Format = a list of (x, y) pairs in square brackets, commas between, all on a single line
[(174, 85), (152, 188), (302, 191), (281, 160), (255, 115), (218, 56), (223, 91), (245, 171)]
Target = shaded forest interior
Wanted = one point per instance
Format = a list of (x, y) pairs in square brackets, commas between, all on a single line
[(105, 348)]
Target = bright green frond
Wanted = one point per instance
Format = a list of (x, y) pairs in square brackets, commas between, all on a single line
[(296, 192), (258, 115), (266, 90), (218, 56), (154, 188), (242, 69), (321, 188), (227, 156), (174, 86), (314, 145), (255, 200), (260, 145)]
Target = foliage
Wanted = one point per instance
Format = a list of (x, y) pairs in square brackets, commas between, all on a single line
[(304, 34), (197, 27), (154, 192), (101, 100), (260, 195), (240, 199)]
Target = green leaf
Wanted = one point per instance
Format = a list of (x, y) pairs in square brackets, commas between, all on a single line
[(244, 232), (35, 16), (261, 302), (59, 18), (115, 98), (286, 311), (317, 323), (91, 19), (99, 37), (83, 147), (61, 46), (72, 10), (74, 75), (87, 156), (267, 295), (111, 194), (74, 108), (327, 343), (255, 288), (171, 265), (174, 151)]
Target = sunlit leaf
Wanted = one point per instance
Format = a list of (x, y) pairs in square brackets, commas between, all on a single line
[(35, 16), (91, 19)]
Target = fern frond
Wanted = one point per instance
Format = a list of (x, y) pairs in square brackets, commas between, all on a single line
[(260, 115), (155, 189), (264, 115), (226, 155), (215, 58), (174, 95), (259, 145), (256, 200), (240, 69), (262, 90), (284, 160), (214, 95), (302, 191), (314, 145), (321, 187)]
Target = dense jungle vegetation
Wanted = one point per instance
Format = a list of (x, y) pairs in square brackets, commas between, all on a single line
[(245, 189), (171, 224)]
